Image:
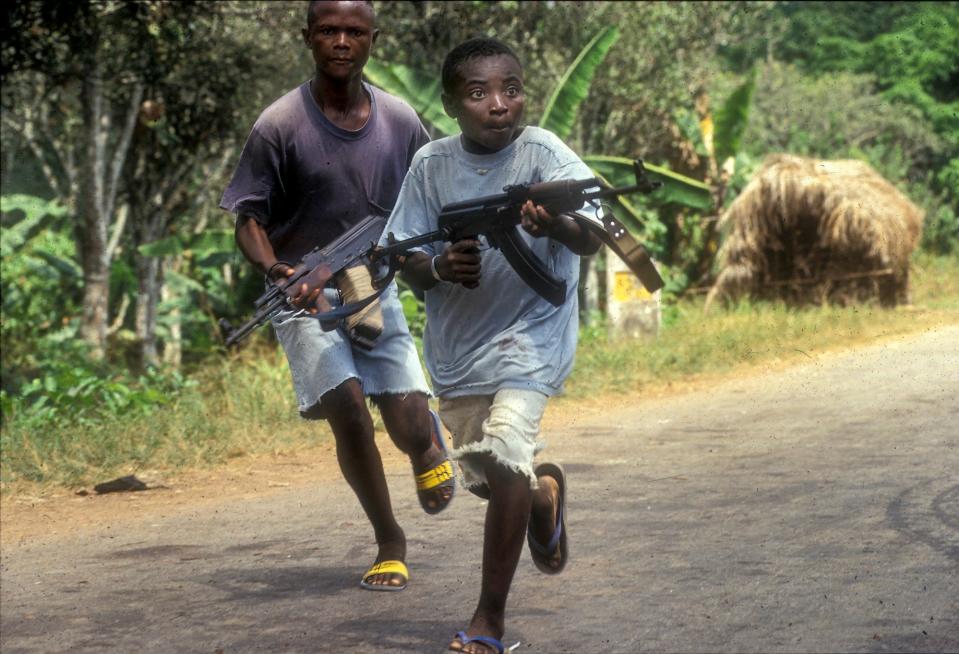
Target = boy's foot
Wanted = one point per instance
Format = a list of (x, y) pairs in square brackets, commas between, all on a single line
[(546, 533), (389, 571), (476, 644), (481, 637), (433, 472)]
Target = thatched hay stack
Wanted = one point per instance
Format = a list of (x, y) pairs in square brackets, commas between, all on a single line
[(808, 231)]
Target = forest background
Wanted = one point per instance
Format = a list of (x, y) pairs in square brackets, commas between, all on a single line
[(121, 122)]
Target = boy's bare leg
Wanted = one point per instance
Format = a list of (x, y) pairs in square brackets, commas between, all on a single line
[(407, 421), (503, 537), (359, 458), (506, 516)]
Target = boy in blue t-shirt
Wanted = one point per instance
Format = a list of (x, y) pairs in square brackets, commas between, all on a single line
[(496, 351)]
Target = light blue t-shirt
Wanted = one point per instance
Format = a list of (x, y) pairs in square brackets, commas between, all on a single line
[(501, 334)]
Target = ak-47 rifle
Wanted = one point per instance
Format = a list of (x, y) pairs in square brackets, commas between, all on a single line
[(498, 218), (495, 216), (316, 268)]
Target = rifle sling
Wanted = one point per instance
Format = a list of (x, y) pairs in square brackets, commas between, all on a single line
[(618, 239)]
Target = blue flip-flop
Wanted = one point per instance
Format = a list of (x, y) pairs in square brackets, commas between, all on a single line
[(540, 554), (441, 475), (489, 641)]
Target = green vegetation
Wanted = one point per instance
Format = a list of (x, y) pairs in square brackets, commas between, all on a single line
[(232, 407), (693, 343), (121, 123), (243, 404)]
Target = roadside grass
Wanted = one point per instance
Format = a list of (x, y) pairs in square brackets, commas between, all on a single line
[(239, 405), (243, 403), (694, 343)]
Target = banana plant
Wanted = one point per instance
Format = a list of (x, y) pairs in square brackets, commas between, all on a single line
[(420, 90), (573, 87), (719, 139), (196, 283)]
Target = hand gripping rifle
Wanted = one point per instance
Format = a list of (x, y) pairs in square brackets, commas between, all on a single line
[(495, 216)]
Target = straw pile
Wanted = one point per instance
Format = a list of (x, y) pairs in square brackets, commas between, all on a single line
[(808, 231)]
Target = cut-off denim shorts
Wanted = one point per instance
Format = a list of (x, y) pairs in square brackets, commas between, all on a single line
[(320, 361), (504, 426)]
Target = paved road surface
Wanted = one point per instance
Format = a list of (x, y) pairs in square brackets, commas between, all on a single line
[(811, 510)]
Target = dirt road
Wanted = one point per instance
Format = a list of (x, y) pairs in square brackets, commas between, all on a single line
[(815, 509)]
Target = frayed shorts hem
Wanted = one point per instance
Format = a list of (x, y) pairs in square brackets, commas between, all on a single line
[(472, 475)]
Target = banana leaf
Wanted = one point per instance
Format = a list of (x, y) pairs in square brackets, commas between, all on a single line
[(731, 120), (560, 113), (676, 189), (420, 90), (37, 212), (65, 266)]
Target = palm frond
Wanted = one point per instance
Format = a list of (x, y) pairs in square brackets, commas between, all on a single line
[(420, 90)]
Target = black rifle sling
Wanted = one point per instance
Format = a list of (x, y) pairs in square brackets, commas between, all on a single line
[(528, 266), (615, 235)]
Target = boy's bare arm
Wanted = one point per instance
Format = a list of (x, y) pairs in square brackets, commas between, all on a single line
[(458, 264), (539, 222)]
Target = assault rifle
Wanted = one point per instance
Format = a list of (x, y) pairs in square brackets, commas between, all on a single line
[(495, 216), (316, 268), (498, 218)]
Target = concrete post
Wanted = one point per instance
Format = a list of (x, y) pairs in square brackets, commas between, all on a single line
[(632, 311)]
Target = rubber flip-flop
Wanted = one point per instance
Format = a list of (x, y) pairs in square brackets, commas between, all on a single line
[(440, 476), (543, 554), (489, 641), (386, 567)]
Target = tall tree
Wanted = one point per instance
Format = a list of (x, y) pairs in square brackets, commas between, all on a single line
[(130, 120), (72, 91), (193, 116)]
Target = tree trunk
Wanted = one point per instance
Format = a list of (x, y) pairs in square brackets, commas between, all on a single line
[(148, 224), (588, 291), (92, 243), (148, 297), (173, 345), (97, 191)]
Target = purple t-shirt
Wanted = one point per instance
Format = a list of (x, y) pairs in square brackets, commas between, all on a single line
[(307, 181)]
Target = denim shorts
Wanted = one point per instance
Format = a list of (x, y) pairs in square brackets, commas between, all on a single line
[(504, 426), (320, 361)]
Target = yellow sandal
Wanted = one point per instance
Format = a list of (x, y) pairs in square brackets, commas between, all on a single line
[(386, 567), (440, 476)]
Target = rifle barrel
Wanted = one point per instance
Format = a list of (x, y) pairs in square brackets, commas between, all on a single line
[(399, 247)]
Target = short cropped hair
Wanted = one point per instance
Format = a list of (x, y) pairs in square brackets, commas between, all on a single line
[(482, 46), (313, 3)]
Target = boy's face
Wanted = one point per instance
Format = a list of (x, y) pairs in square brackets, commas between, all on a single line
[(341, 35), (487, 102)]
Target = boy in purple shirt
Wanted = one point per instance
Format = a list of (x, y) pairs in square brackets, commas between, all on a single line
[(318, 161)]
